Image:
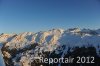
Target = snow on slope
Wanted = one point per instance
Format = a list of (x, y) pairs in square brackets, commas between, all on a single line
[(71, 37), (49, 41)]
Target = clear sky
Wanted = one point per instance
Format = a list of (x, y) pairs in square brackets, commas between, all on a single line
[(35, 15)]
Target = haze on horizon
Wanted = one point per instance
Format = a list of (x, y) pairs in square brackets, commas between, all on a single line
[(36, 15)]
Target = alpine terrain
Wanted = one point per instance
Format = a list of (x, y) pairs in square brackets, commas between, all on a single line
[(24, 49)]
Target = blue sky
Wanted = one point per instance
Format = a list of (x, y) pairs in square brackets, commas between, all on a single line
[(36, 15)]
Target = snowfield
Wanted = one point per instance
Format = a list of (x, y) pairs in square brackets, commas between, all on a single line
[(21, 49)]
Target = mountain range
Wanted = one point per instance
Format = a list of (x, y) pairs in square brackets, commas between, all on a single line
[(20, 49)]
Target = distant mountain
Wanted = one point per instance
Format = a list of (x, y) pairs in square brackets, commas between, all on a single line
[(20, 49)]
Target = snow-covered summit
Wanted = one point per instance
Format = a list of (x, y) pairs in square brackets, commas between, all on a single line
[(52, 36), (72, 37), (28, 45)]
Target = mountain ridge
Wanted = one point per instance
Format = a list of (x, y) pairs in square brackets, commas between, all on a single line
[(72, 36), (42, 34), (22, 48)]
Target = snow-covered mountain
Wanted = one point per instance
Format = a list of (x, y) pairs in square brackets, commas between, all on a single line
[(54, 36), (71, 37), (28, 45)]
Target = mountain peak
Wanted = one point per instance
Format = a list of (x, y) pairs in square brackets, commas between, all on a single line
[(74, 30), (50, 36)]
